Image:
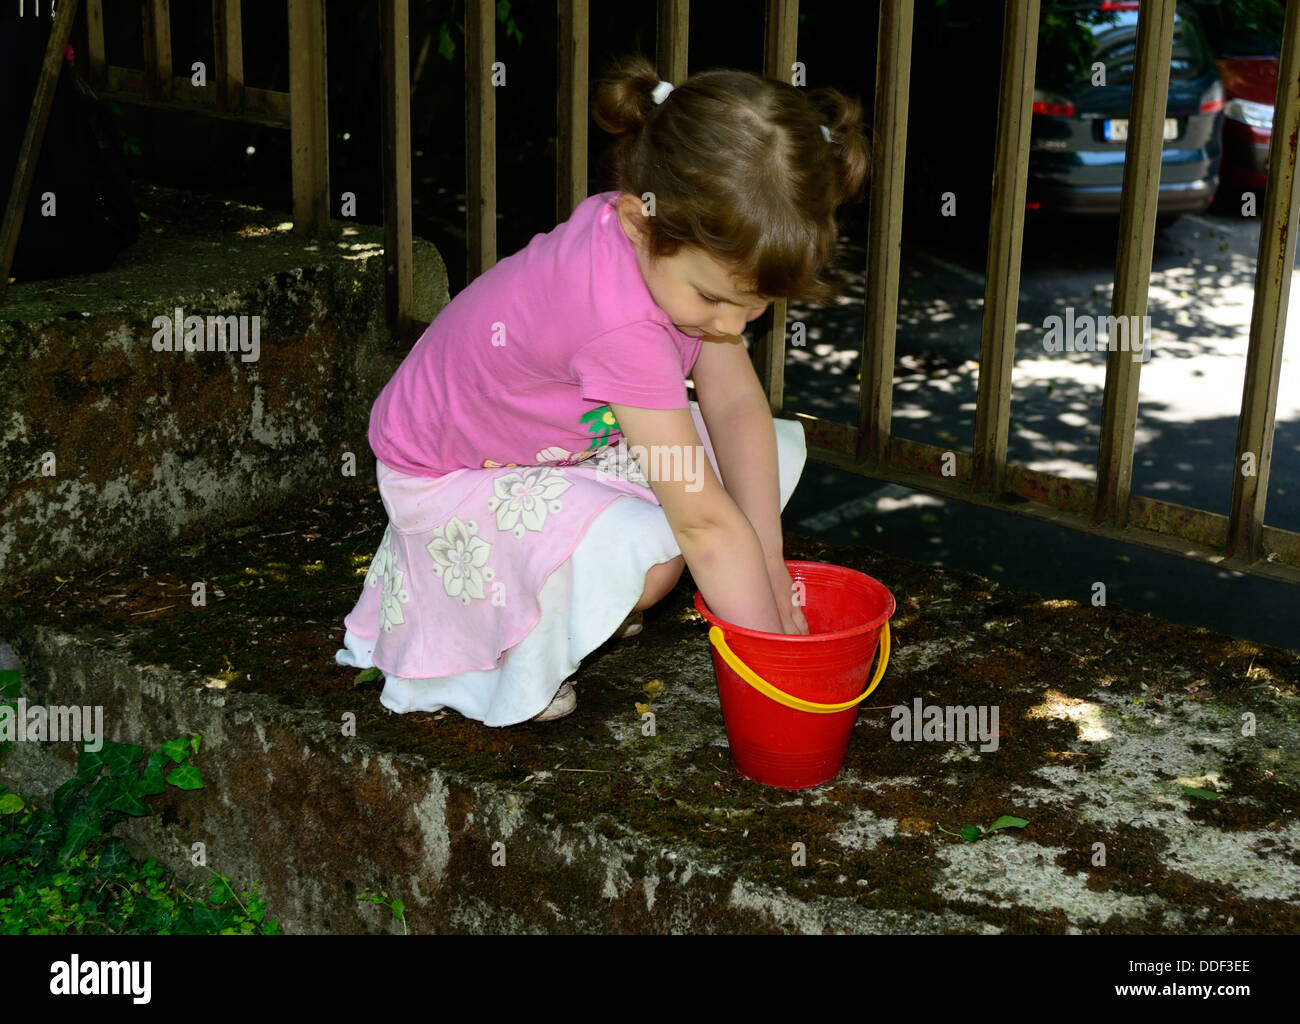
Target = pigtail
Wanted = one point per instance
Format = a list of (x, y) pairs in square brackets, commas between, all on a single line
[(624, 96), (849, 138)]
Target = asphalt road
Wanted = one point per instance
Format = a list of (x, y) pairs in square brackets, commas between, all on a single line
[(1191, 387)]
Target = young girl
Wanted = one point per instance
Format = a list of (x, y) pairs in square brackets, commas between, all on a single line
[(518, 540)]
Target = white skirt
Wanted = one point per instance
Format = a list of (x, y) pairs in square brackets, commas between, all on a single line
[(583, 602)]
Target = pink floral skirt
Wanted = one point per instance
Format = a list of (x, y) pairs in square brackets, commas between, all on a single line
[(491, 585)]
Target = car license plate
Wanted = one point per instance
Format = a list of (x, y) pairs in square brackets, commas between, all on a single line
[(1117, 131)]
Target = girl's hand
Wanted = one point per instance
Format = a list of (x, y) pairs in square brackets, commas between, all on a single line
[(788, 599)]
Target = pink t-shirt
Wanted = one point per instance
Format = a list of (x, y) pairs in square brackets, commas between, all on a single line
[(519, 367)]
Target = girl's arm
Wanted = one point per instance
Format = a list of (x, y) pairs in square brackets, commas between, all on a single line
[(717, 541), (736, 411)]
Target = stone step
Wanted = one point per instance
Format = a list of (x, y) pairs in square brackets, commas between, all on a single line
[(121, 434), (589, 825)]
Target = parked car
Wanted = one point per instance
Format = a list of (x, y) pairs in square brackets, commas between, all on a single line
[(1246, 37), (1079, 129)]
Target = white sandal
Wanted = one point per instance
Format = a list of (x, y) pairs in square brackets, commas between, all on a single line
[(563, 703), (631, 626)]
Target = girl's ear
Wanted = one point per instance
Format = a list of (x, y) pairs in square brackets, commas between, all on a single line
[(630, 217)]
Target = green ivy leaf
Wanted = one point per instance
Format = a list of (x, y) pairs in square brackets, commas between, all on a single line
[(128, 803), (1006, 821), (177, 750), (152, 783), (186, 777), (112, 860), (221, 890), (970, 833), (369, 675), (1204, 794), (119, 757), (206, 919), (81, 831), (11, 803), (194, 743)]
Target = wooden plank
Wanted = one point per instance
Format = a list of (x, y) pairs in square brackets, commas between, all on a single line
[(395, 53), (25, 170), (95, 58), (260, 106), (1006, 234), (1273, 274), (1133, 264), (309, 118), (480, 138), (673, 39), (228, 53), (780, 47), (158, 49), (571, 101), (1077, 498), (885, 231)]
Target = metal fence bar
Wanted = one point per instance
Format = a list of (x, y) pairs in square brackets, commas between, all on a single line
[(1277, 246), (95, 59), (480, 137), (1006, 236), (25, 170), (673, 40), (309, 118), (571, 113), (395, 51), (884, 240), (158, 49), (780, 44), (228, 53), (1142, 156)]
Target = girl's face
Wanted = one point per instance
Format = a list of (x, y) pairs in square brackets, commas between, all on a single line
[(696, 291)]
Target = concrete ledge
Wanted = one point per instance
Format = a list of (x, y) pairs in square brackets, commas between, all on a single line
[(1104, 717), (111, 446)]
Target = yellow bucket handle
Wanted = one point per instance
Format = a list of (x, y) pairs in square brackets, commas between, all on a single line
[(789, 700)]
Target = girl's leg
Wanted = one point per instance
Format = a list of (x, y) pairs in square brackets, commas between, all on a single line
[(659, 582)]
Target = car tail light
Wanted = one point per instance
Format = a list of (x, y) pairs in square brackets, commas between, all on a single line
[(1052, 104), (1213, 99), (1256, 115), (1118, 5)]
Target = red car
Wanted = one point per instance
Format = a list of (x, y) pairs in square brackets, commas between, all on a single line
[(1251, 86), (1246, 36)]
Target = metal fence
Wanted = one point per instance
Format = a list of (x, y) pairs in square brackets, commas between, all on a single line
[(1105, 506)]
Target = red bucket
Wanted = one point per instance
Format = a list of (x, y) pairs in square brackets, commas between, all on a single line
[(789, 702)]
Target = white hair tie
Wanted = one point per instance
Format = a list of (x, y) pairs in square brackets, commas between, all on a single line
[(662, 90)]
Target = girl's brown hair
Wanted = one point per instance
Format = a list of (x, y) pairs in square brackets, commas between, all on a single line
[(739, 168)]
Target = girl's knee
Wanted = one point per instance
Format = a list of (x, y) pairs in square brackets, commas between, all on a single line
[(659, 582)]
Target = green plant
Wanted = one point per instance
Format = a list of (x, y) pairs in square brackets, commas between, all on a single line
[(447, 46), (972, 833), (62, 872), (384, 899)]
